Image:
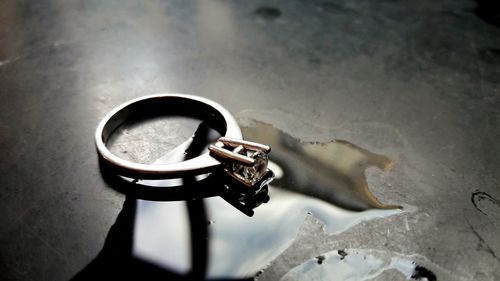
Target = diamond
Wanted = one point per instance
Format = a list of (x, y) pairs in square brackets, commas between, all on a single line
[(243, 160), (251, 174)]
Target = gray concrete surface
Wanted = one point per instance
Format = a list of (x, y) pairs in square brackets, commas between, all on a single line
[(415, 80)]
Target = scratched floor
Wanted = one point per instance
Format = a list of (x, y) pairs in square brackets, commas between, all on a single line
[(418, 81)]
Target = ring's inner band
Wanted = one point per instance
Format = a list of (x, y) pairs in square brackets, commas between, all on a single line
[(211, 113), (171, 106)]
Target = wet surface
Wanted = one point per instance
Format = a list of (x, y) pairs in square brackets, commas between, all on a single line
[(333, 171), (413, 80), (241, 244), (363, 264)]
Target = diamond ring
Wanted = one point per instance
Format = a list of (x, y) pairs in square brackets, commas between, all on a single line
[(243, 160)]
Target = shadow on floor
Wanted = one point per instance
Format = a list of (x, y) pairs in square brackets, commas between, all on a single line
[(489, 11)]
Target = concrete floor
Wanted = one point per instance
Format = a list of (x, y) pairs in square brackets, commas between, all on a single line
[(417, 81)]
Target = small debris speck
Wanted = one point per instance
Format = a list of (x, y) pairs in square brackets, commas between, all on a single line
[(259, 273), (320, 259), (342, 254)]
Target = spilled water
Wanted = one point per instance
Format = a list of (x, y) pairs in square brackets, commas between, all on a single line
[(325, 180), (364, 264)]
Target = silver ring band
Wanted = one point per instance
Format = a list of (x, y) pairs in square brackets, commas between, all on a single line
[(177, 104)]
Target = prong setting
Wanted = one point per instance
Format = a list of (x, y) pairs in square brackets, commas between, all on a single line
[(226, 155), (243, 160), (230, 142)]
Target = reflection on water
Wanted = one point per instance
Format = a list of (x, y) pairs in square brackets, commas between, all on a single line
[(241, 246), (363, 264), (324, 180), (333, 171)]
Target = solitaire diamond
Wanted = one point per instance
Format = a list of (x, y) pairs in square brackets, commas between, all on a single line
[(255, 172), (244, 160)]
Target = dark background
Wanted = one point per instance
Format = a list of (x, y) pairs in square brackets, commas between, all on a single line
[(415, 80)]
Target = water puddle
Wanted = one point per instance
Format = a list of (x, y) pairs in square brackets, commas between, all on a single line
[(367, 264), (325, 180), (333, 171)]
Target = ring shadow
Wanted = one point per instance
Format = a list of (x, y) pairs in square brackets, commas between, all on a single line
[(489, 11), (116, 259)]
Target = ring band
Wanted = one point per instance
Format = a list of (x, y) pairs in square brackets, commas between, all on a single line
[(238, 157)]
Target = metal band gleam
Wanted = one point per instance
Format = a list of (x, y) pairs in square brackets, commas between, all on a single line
[(179, 104)]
